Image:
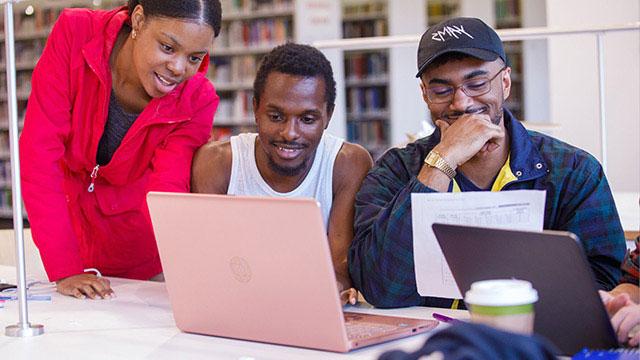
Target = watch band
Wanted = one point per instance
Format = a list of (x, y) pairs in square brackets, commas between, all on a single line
[(434, 159)]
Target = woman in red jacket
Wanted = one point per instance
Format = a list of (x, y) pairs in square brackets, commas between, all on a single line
[(119, 104)]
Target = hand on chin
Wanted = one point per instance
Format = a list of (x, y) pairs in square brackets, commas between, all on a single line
[(488, 148)]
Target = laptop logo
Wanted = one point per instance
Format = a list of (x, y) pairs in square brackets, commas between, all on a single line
[(240, 269)]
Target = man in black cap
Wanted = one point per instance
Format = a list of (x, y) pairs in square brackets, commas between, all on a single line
[(477, 146)]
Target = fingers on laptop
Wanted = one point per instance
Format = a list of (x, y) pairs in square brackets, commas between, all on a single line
[(626, 323), (349, 296), (615, 302), (82, 286)]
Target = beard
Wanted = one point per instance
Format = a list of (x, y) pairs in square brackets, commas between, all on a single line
[(452, 116), (498, 118), (287, 170)]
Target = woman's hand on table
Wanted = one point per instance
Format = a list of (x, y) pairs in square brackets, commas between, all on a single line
[(82, 286)]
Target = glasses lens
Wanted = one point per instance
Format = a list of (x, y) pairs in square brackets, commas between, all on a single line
[(439, 94), (477, 87)]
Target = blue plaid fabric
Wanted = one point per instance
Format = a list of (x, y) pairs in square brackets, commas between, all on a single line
[(578, 200)]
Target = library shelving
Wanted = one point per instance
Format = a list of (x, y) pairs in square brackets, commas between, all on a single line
[(33, 21), (250, 29), (367, 77), (439, 10), (508, 16)]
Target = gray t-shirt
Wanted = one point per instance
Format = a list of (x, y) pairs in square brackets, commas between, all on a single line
[(118, 123)]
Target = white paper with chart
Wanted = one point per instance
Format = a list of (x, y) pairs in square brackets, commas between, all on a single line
[(514, 210)]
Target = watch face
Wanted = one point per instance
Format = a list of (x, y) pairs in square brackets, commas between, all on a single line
[(434, 160), (431, 159)]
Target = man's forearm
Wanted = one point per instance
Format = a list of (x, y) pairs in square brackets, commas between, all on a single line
[(381, 254)]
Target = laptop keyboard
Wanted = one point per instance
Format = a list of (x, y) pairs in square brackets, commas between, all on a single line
[(365, 330)]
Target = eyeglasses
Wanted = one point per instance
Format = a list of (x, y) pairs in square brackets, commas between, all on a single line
[(440, 93)]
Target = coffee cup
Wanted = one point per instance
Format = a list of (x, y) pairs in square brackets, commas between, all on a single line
[(503, 304)]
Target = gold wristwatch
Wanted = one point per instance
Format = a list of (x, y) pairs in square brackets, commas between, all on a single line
[(434, 159)]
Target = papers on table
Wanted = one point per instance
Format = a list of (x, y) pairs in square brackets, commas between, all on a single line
[(516, 210)]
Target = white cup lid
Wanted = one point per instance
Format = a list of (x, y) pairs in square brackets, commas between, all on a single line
[(501, 293)]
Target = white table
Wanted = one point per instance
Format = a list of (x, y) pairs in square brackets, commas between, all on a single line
[(139, 324)]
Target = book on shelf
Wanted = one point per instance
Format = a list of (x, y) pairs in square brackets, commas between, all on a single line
[(257, 32), (507, 14), (238, 69), (366, 74), (5, 174), (235, 111), (371, 135), (240, 106), (365, 28), (250, 29), (368, 65), (364, 8), (367, 100), (439, 10), (247, 6)]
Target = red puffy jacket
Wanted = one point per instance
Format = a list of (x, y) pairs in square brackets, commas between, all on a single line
[(109, 228)]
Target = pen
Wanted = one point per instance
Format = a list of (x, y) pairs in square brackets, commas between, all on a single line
[(444, 318)]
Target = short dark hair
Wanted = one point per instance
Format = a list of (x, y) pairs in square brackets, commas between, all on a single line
[(299, 60), (207, 11)]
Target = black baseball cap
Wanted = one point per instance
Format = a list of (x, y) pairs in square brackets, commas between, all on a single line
[(465, 35)]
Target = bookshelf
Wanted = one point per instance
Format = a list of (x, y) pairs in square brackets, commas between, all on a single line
[(367, 77), (508, 16), (439, 10), (250, 29), (33, 21)]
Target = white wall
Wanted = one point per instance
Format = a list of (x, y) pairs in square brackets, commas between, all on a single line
[(573, 88), (33, 263)]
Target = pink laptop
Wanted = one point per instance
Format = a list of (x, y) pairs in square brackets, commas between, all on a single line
[(259, 269)]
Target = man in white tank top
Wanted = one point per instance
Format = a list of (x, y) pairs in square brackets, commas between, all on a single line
[(291, 156)]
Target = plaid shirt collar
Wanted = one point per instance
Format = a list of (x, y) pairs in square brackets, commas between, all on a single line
[(526, 161)]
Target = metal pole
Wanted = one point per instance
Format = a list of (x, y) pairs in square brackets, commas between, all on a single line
[(601, 94), (23, 328)]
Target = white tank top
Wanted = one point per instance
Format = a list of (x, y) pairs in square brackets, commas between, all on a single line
[(318, 184)]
